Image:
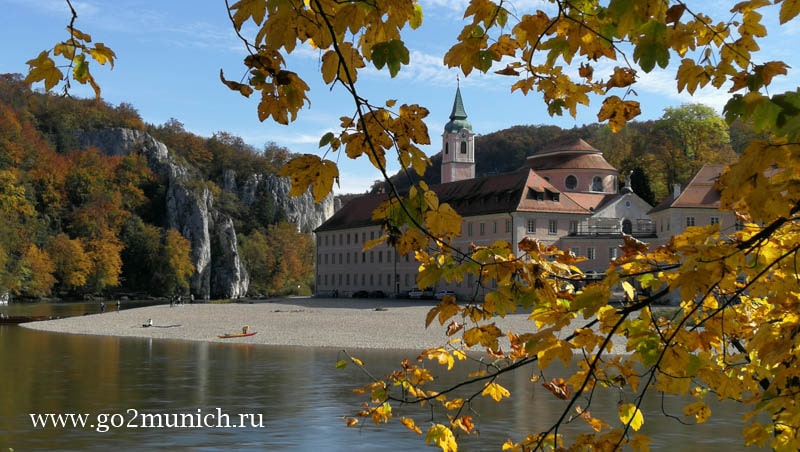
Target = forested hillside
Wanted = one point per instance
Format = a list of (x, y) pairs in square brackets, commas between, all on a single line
[(75, 221), (661, 153)]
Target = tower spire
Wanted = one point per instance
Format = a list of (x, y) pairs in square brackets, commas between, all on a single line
[(458, 144)]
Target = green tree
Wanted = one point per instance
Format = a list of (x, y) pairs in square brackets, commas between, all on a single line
[(141, 255), (689, 137)]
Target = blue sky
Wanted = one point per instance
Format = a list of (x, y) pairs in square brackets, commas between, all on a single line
[(169, 54)]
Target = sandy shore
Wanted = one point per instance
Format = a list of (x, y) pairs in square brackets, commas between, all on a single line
[(310, 322)]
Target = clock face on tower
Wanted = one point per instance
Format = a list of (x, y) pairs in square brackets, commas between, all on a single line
[(463, 134)]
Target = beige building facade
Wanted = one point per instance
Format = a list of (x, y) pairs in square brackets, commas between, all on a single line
[(566, 195)]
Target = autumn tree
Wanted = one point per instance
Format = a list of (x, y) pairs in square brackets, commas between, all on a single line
[(735, 332), (71, 264), (279, 258), (176, 259)]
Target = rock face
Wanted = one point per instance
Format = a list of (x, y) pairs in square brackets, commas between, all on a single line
[(219, 271), (300, 210)]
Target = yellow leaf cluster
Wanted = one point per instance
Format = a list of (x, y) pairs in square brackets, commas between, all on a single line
[(495, 391)]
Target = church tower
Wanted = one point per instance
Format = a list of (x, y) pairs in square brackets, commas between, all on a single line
[(458, 145)]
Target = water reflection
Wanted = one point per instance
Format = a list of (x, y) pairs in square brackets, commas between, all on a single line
[(297, 391)]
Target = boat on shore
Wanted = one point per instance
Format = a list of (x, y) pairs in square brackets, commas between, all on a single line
[(15, 319), (231, 335)]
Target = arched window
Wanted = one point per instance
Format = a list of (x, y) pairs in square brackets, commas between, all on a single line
[(447, 148), (571, 182), (597, 183), (627, 226), (463, 147)]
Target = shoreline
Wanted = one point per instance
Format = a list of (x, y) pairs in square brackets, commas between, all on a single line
[(306, 322)]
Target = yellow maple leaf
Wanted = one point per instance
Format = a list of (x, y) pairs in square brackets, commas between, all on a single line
[(630, 415), (495, 391), (441, 436), (411, 425), (699, 410)]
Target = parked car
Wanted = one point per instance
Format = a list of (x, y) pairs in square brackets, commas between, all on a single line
[(415, 293), (443, 293), (377, 294), (360, 294)]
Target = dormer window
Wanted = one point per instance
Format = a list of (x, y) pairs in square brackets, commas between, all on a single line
[(535, 194)]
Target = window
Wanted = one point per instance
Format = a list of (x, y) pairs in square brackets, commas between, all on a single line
[(355, 237), (627, 203), (347, 279), (571, 182), (348, 238), (447, 148), (341, 261), (469, 229), (714, 220), (463, 147), (689, 221), (380, 256), (532, 226), (597, 183), (348, 257), (573, 226), (508, 226), (363, 258), (363, 237), (576, 251), (483, 228), (372, 257), (612, 252), (552, 227), (590, 254), (494, 227)]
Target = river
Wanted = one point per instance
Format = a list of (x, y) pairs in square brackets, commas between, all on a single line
[(288, 398)]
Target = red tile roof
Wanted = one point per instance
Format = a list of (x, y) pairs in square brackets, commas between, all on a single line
[(701, 192), (498, 193), (541, 162)]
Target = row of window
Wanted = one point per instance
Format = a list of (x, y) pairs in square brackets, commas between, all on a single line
[(571, 182), (552, 226), (345, 258), (482, 228), (345, 238), (591, 252), (380, 280)]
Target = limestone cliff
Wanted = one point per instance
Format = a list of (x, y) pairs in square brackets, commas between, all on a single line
[(219, 271)]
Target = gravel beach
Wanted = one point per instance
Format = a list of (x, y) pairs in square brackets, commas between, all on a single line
[(309, 322)]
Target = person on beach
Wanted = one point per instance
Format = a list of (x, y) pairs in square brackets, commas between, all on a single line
[(244, 329), (102, 307)]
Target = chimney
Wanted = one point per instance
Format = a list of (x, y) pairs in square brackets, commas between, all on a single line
[(676, 191)]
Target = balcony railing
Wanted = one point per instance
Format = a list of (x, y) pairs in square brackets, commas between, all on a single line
[(614, 226)]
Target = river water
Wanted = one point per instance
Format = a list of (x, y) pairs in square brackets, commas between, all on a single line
[(288, 398)]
